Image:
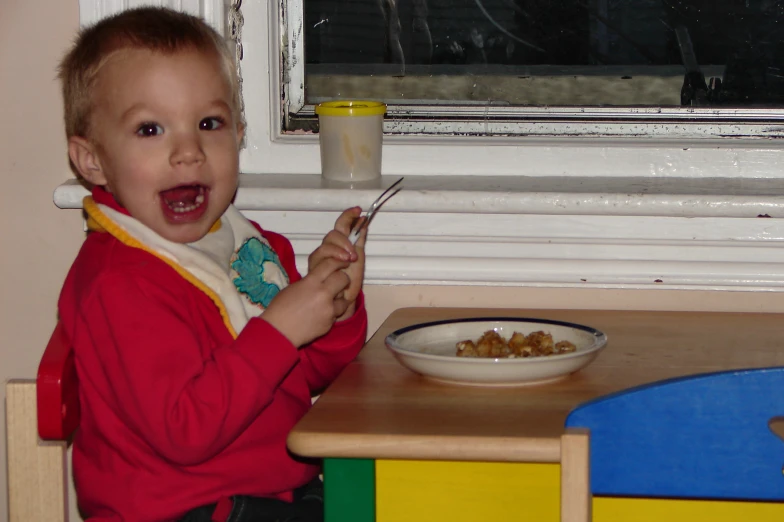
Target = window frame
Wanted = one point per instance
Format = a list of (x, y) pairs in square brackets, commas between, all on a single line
[(493, 119)]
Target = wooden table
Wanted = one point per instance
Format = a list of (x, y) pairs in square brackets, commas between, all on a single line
[(377, 409)]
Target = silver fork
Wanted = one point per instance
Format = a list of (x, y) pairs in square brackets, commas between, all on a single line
[(371, 212)]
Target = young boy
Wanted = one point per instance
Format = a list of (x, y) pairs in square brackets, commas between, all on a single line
[(198, 345)]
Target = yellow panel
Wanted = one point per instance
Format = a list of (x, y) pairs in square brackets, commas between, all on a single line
[(658, 510), (417, 491), (414, 491)]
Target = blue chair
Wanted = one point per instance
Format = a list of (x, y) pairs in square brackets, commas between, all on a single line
[(708, 436)]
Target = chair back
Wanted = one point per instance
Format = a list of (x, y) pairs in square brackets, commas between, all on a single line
[(41, 415), (57, 389), (706, 436)]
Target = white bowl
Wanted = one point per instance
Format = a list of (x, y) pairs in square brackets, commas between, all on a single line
[(429, 349)]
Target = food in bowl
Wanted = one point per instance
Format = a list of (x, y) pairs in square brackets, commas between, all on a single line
[(493, 345)]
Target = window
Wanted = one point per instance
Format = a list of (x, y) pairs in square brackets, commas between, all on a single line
[(461, 137)]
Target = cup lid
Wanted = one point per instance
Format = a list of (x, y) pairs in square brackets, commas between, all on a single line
[(351, 108)]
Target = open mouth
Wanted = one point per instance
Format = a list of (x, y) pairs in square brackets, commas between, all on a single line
[(185, 198), (184, 202)]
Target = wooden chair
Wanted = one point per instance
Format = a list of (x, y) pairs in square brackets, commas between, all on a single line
[(41, 416), (711, 436)]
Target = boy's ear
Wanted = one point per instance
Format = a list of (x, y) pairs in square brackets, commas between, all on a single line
[(85, 159)]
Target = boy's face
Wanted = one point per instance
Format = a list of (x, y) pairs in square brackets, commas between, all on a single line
[(164, 140)]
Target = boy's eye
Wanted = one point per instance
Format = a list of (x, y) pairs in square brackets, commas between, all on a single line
[(149, 129), (212, 123)]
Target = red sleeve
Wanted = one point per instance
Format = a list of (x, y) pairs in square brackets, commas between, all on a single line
[(324, 358), (191, 410)]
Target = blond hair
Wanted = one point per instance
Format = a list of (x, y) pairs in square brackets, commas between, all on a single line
[(153, 28)]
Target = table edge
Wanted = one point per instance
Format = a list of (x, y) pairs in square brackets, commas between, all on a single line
[(424, 447)]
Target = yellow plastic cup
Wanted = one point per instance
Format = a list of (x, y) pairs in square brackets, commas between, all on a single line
[(350, 136)]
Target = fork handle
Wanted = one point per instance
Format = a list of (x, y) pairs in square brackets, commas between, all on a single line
[(356, 228)]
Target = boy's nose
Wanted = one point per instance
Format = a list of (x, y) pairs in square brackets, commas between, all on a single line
[(187, 150)]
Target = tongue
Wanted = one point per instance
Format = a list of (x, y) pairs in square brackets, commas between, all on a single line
[(181, 196)]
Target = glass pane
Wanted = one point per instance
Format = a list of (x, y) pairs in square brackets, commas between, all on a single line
[(663, 53)]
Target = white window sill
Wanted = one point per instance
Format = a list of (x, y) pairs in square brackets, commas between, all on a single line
[(621, 232)]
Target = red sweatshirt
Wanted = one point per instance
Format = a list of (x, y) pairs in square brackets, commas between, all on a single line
[(176, 413)]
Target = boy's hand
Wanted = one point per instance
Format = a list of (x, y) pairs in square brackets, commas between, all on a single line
[(308, 308), (337, 246)]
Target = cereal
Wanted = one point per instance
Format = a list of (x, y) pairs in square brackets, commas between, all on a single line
[(493, 345)]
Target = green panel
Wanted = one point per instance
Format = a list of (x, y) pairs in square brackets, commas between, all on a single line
[(349, 490)]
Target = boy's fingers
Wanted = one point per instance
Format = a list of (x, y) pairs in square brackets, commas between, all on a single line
[(362, 238), (331, 250), (337, 283), (357, 222), (339, 307), (327, 267), (346, 221)]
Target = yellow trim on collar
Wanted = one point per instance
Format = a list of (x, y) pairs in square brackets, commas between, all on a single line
[(99, 222), (93, 226)]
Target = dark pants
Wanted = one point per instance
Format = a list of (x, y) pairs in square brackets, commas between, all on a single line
[(308, 506)]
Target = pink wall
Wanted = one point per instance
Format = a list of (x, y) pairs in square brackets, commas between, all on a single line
[(38, 241)]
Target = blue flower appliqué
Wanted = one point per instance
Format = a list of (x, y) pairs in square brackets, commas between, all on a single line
[(252, 259)]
